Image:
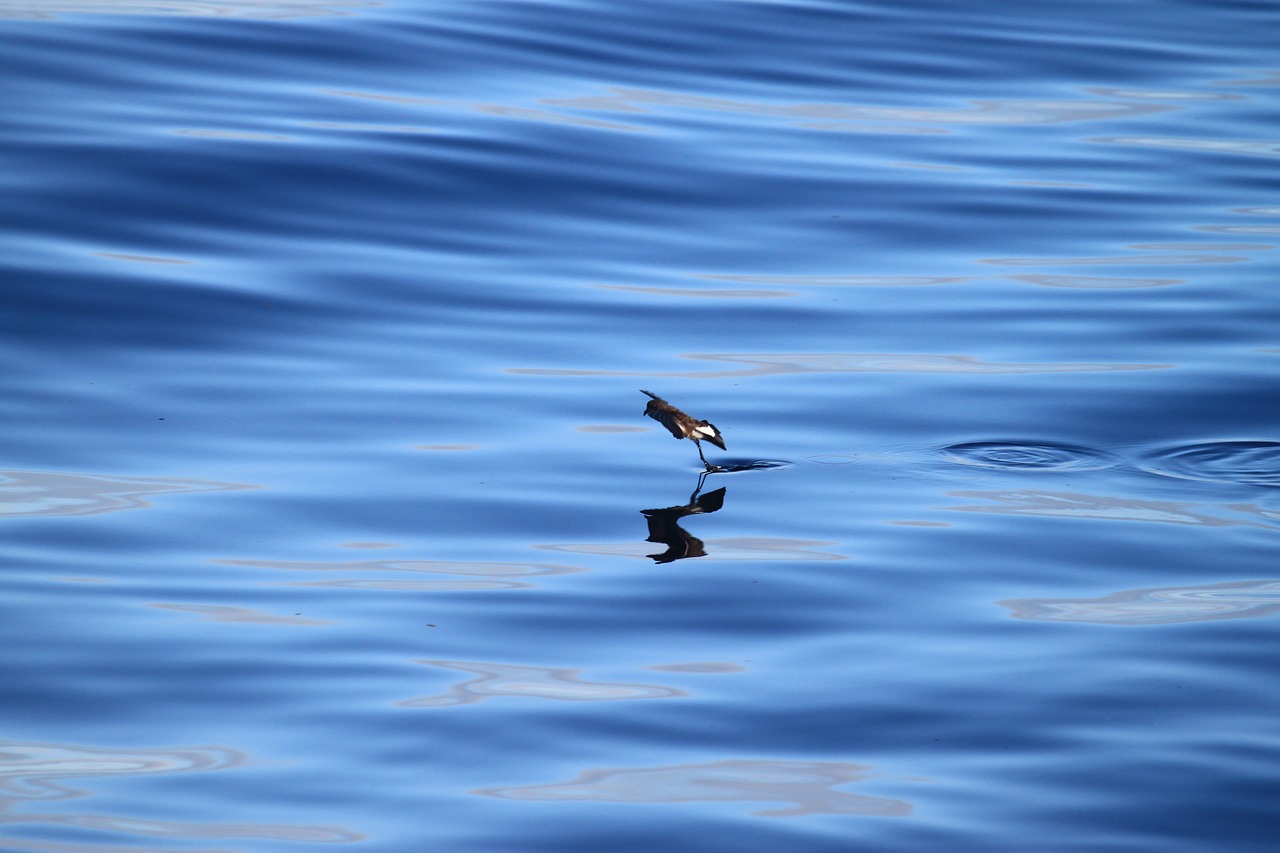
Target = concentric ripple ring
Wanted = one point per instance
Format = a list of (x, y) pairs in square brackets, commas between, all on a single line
[(1027, 456), (1247, 463)]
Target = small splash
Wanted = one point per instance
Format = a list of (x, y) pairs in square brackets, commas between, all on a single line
[(1246, 463), (1019, 456)]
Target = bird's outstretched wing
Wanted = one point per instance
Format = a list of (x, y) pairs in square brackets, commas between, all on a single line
[(669, 418)]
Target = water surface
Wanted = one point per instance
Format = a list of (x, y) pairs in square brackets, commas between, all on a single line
[(332, 517)]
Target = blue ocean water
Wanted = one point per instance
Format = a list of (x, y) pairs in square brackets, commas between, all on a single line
[(331, 516)]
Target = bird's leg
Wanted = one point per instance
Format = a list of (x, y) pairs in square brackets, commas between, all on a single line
[(698, 445)]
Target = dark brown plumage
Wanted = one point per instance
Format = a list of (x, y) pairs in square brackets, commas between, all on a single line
[(681, 425)]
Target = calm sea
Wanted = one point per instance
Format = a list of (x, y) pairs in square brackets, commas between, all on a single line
[(331, 520)]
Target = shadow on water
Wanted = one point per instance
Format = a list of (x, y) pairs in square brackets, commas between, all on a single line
[(733, 466), (664, 524)]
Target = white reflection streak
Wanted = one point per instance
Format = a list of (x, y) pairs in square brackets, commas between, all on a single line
[(242, 615), (833, 116), (1251, 148), (473, 576), (810, 785), (800, 282), (496, 679), (1094, 282), (841, 280), (775, 364), (1118, 260), (830, 117), (252, 9), (1078, 505), (47, 493), (1159, 606), (35, 771)]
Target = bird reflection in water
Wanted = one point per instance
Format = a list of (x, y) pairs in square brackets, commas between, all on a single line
[(664, 526)]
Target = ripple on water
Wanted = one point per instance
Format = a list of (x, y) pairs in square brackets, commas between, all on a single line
[(1250, 463), (1023, 456)]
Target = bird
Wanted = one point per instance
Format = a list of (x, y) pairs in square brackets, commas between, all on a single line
[(681, 425)]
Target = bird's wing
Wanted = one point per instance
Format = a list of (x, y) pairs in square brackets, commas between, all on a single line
[(670, 420), (708, 432)]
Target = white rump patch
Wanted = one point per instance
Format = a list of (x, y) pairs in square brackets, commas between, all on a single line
[(706, 430)]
